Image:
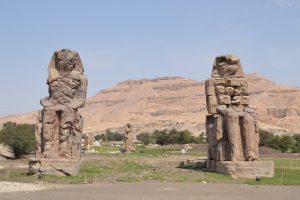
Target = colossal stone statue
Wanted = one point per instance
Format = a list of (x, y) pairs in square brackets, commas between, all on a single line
[(59, 124), (230, 124)]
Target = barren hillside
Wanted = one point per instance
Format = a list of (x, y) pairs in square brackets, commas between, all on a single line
[(175, 102)]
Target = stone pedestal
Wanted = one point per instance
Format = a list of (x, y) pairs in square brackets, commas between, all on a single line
[(247, 169), (64, 167)]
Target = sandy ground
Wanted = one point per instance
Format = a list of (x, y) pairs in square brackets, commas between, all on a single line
[(161, 191), (6, 187)]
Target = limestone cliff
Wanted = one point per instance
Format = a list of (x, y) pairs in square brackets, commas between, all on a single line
[(175, 102)]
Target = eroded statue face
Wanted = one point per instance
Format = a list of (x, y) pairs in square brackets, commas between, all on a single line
[(65, 60), (227, 67)]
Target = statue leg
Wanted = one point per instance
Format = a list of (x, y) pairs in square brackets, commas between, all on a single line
[(65, 135), (38, 134), (77, 136), (234, 135), (50, 133), (249, 138)]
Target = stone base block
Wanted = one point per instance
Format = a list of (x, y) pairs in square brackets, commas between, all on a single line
[(61, 167), (247, 169)]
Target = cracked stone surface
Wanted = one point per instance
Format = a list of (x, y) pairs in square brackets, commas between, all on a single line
[(230, 125), (59, 125)]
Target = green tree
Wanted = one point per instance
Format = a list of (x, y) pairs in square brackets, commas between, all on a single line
[(296, 137), (296, 147), (100, 137), (114, 136), (19, 136), (286, 143), (265, 138), (161, 137), (173, 137), (145, 138), (185, 137), (200, 139)]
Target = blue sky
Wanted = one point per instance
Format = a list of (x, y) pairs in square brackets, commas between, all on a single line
[(126, 39)]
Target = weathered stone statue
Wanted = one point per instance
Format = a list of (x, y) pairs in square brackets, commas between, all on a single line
[(129, 143), (86, 142), (230, 125), (59, 124)]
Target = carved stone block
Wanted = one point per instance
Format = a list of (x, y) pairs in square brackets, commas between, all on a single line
[(230, 91), (240, 169), (220, 90), (211, 104), (245, 100), (210, 87), (224, 100)]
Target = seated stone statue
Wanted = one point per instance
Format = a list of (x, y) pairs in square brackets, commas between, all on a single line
[(59, 128), (230, 126)]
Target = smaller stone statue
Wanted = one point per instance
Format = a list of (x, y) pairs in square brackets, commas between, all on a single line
[(129, 143)]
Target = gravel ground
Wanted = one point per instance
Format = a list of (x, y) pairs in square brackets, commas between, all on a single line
[(20, 187)]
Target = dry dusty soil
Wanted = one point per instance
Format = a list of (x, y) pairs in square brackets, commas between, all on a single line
[(159, 190)]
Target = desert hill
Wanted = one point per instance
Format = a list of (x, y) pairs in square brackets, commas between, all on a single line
[(176, 102)]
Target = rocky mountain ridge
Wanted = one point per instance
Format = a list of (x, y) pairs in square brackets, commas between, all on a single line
[(176, 102)]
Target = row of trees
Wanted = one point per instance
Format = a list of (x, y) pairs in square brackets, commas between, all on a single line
[(284, 143), (173, 136), (162, 137), (110, 136), (21, 138)]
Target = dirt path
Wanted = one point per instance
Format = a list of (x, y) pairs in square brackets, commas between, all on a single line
[(161, 191)]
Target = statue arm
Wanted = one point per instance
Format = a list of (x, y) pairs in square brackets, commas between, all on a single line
[(80, 97), (211, 98)]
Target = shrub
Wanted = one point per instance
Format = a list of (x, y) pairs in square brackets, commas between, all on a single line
[(19, 136), (114, 136), (102, 137), (200, 139), (145, 138), (296, 147), (97, 137), (286, 143), (283, 143)]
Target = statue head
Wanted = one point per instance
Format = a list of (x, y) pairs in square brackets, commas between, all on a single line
[(227, 65), (66, 60), (128, 125)]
